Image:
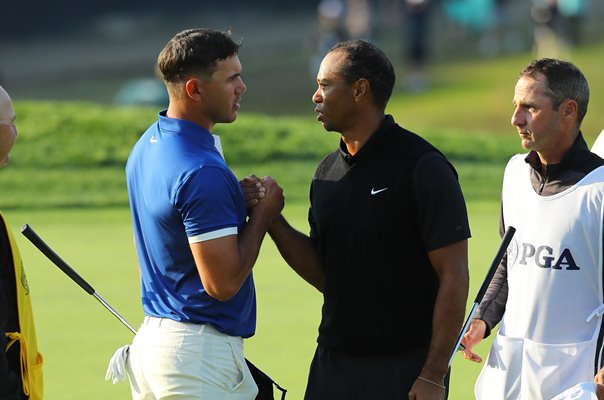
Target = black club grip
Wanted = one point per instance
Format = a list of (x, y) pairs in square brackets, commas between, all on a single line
[(33, 237)]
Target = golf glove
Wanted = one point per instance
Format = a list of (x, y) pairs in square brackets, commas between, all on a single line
[(117, 365)]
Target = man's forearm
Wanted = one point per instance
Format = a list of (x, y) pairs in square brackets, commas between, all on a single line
[(298, 251), (451, 266), (492, 306), (449, 311), (225, 263), (249, 243)]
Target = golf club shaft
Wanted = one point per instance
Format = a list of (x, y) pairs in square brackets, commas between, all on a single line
[(112, 311), (33, 237), (505, 242)]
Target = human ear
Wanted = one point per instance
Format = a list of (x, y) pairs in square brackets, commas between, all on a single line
[(570, 108), (193, 89), (361, 88)]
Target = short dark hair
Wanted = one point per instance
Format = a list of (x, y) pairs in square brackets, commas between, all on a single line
[(564, 81), (364, 60), (195, 52)]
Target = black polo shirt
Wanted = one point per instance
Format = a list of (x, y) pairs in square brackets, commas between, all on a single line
[(374, 217)]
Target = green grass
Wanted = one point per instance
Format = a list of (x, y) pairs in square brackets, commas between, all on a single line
[(89, 171), (77, 336), (475, 96)]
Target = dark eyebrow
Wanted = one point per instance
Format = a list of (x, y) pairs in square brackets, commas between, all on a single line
[(522, 103)]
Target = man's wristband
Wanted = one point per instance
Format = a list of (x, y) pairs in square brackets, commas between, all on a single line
[(432, 382)]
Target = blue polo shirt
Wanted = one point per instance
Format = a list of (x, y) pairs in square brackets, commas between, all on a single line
[(181, 191)]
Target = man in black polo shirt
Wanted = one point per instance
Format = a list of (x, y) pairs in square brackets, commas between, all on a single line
[(387, 245)]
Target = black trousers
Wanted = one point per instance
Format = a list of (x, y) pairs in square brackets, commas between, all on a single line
[(337, 376), (9, 382)]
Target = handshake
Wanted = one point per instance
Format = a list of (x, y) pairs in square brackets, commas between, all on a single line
[(263, 197)]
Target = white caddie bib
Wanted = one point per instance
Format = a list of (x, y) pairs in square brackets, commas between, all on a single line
[(581, 391), (547, 339)]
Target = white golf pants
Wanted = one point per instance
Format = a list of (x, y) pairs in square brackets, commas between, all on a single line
[(175, 360)]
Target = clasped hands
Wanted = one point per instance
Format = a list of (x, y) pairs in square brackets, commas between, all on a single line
[(262, 194)]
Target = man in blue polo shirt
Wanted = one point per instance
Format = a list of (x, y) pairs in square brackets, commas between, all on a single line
[(195, 244)]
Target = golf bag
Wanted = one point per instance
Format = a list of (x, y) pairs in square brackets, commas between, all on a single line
[(20, 335), (265, 383)]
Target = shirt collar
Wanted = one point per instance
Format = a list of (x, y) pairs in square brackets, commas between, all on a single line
[(577, 152), (184, 128), (386, 124)]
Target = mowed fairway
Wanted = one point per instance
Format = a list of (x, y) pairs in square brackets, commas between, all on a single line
[(77, 336), (66, 180)]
